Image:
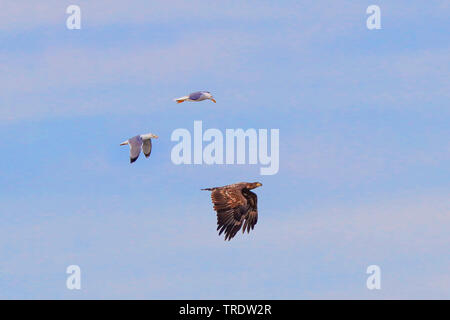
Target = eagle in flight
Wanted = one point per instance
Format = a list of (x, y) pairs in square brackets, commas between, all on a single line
[(236, 207)]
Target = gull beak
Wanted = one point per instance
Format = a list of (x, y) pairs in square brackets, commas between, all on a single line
[(212, 99)]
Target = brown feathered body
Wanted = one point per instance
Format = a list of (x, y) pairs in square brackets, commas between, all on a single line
[(236, 207)]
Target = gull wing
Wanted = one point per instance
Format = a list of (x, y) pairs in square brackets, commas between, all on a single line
[(135, 148), (147, 147), (196, 95)]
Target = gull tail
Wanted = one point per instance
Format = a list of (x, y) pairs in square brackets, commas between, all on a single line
[(182, 99)]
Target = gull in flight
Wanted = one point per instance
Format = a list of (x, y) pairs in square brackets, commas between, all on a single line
[(197, 96), (142, 141)]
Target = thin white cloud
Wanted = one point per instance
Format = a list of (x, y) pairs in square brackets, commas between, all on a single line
[(27, 15), (67, 70), (143, 250), (397, 224)]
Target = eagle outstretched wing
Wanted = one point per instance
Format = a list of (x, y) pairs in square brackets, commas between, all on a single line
[(252, 216), (236, 206)]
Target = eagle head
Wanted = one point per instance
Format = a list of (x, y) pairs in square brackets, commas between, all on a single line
[(254, 185)]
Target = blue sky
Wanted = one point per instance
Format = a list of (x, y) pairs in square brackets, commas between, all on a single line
[(364, 149)]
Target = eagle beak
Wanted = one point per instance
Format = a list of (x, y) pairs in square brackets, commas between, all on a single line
[(155, 136), (258, 184), (212, 99), (124, 143)]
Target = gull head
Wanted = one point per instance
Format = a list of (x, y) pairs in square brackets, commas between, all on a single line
[(209, 96), (149, 136)]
